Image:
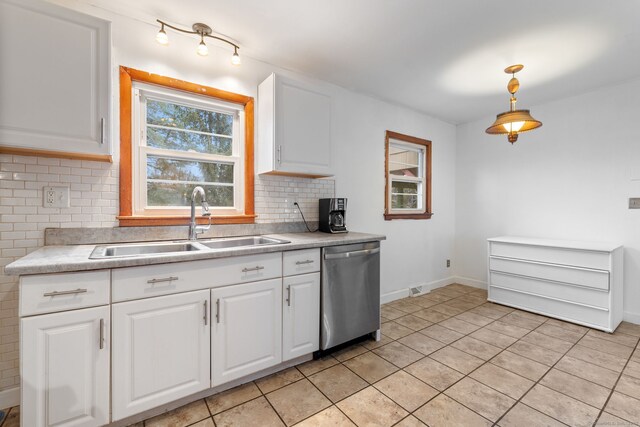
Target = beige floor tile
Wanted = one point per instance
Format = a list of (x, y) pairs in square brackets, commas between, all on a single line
[(233, 397), (279, 379), (474, 318), (463, 303), (437, 296), (560, 406), (399, 354), (371, 367), (505, 309), (441, 334), (629, 386), (546, 341), (476, 348), (446, 412), (445, 308), (506, 382), (521, 415), (605, 360), (459, 326), (395, 330), (489, 312), (208, 422), (531, 315), (182, 416), (629, 329), (520, 365), (507, 329), (12, 418), (406, 390), (632, 369), (330, 417), (434, 373), (425, 303), (493, 337), (297, 401), (456, 359), (369, 407), (625, 407), (406, 306), (480, 398), (588, 371), (566, 325), (391, 313), (616, 337), (453, 293), (247, 414), (560, 333), (371, 343), (413, 322), (349, 352), (578, 388), (608, 420), (636, 355), (606, 346), (410, 421), (431, 316), (337, 382), (517, 319), (313, 366), (537, 353), (422, 343)]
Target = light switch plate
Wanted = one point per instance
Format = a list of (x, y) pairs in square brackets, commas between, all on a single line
[(634, 203), (55, 197)]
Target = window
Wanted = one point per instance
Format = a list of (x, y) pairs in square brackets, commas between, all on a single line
[(176, 136), (408, 177)]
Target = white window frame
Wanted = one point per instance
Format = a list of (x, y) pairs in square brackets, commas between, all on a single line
[(142, 92)]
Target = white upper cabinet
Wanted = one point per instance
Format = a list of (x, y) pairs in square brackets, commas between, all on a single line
[(294, 128), (54, 80)]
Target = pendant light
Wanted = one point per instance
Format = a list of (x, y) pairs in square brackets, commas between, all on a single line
[(513, 122)]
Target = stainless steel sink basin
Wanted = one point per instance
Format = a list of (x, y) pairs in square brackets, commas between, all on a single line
[(143, 249), (236, 242)]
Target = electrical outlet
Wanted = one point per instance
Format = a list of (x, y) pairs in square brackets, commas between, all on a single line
[(634, 203), (56, 197), (448, 263)]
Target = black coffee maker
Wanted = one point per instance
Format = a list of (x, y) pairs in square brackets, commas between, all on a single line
[(333, 215)]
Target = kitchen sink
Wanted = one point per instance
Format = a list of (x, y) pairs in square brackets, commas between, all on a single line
[(129, 250), (236, 242)]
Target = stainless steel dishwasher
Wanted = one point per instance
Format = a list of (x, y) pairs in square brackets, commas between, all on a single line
[(350, 292)]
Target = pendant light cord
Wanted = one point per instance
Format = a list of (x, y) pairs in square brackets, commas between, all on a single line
[(305, 221)]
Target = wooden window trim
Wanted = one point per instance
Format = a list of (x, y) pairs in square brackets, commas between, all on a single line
[(126, 217), (427, 185)]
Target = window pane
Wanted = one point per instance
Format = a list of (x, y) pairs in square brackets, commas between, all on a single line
[(404, 187), (175, 139), (403, 170), (402, 201), (169, 194), (402, 155), (191, 118), (185, 170)]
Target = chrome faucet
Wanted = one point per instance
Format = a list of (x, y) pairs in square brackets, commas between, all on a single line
[(194, 229)]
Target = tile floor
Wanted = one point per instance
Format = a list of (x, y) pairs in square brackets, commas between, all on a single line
[(448, 358)]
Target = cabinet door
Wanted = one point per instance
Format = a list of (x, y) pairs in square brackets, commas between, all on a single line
[(55, 68), (246, 329), (301, 315), (160, 351), (65, 368)]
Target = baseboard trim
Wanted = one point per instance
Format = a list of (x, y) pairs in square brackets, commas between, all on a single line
[(426, 288), (9, 397), (470, 282), (631, 317), (394, 295), (440, 283)]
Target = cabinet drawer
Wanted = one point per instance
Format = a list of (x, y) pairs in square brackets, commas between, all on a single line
[(596, 279), (47, 293), (154, 280), (559, 291), (574, 257), (301, 262)]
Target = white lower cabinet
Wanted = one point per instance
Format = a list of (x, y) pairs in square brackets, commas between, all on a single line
[(300, 315), (246, 329), (160, 351), (65, 368)]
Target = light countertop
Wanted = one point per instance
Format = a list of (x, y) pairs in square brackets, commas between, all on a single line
[(58, 259)]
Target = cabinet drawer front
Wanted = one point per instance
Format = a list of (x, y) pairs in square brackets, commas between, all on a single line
[(554, 290), (592, 317), (48, 293), (301, 262), (596, 279), (574, 257)]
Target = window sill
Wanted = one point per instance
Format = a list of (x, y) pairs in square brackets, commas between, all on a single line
[(426, 215), (150, 221)]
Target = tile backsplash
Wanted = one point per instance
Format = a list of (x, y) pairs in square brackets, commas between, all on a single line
[(94, 203)]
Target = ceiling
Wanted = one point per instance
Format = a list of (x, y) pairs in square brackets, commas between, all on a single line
[(441, 57)]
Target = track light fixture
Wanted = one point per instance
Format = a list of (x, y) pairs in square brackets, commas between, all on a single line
[(203, 31)]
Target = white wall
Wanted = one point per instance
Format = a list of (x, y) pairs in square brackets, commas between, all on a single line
[(570, 179)]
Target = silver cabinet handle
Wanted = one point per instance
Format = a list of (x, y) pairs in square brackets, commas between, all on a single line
[(218, 310), (279, 153), (256, 268), (308, 261), (71, 292), (101, 334), (206, 314), (164, 279), (289, 295), (102, 122)]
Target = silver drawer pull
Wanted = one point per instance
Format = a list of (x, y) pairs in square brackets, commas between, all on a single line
[(101, 334), (256, 268), (164, 279), (308, 261), (56, 293)]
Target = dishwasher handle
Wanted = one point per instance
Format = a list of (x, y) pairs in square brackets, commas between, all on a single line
[(352, 254)]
